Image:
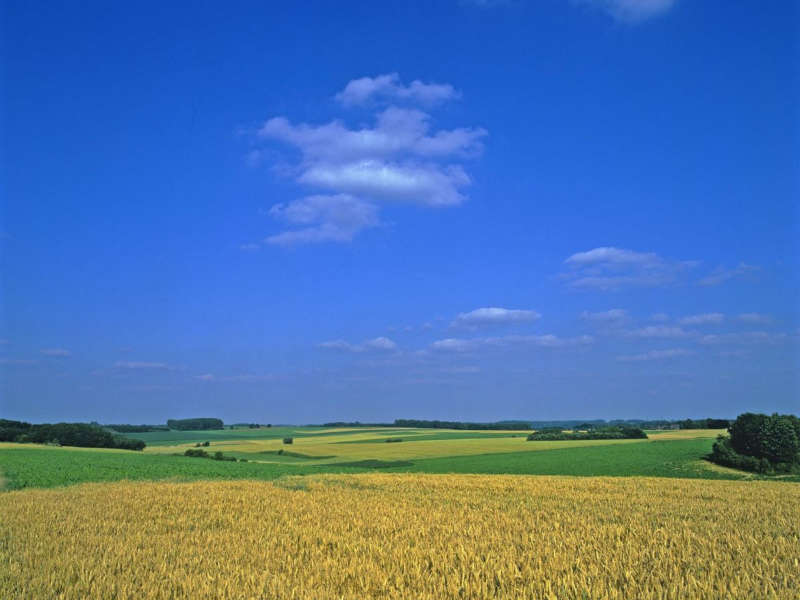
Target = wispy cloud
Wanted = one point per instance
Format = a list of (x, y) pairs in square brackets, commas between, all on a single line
[(632, 11), (243, 378), (481, 317), (754, 318), (389, 87), (704, 319), (659, 331), (544, 341), (656, 355), (722, 274), (746, 337), (609, 268), (401, 158), (377, 344), (56, 352), (17, 361), (140, 365), (606, 317)]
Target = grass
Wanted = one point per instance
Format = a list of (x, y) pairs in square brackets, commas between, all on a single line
[(52, 467), (682, 458)]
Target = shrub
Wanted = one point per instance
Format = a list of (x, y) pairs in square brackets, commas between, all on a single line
[(288, 440), (196, 453), (390, 440)]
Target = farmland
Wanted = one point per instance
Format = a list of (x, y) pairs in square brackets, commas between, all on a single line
[(400, 536), (316, 450), (340, 513)]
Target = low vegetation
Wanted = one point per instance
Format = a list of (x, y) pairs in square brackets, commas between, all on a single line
[(760, 443)]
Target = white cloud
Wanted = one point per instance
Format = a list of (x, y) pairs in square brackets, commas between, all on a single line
[(389, 87), (494, 316), (612, 256), (609, 268), (399, 159), (656, 354), (607, 317), (721, 274), (661, 317), (329, 218), (659, 331), (754, 318), (703, 319), (633, 11), (56, 352), (378, 344), (544, 341)]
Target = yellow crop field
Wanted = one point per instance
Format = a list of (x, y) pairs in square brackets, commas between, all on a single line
[(404, 536)]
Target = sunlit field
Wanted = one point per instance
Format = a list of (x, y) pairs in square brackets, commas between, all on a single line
[(404, 536), (330, 445)]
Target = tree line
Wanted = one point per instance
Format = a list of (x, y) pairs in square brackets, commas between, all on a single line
[(539, 425), (197, 424), (83, 435), (552, 434)]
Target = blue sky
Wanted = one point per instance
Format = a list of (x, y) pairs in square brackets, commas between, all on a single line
[(304, 212)]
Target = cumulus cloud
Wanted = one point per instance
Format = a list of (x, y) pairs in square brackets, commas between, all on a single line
[(389, 87), (400, 158), (704, 319), (633, 11), (610, 268), (494, 316), (544, 341), (721, 274), (56, 352), (656, 354), (377, 344)]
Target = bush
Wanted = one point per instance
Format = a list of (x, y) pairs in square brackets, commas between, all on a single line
[(288, 440), (390, 440)]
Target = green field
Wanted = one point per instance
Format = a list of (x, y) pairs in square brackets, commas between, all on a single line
[(317, 450)]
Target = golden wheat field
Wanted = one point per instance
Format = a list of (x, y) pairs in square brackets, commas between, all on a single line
[(404, 536)]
